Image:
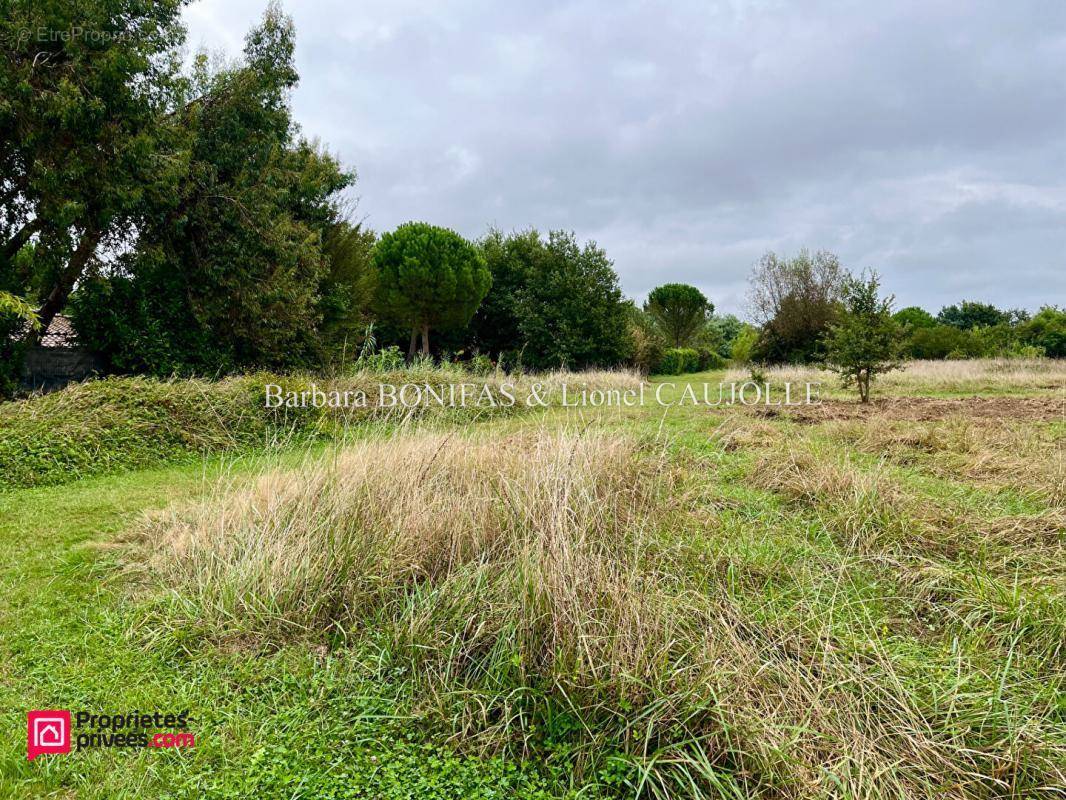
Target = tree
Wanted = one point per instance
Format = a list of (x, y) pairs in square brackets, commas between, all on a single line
[(512, 260), (794, 301), (1047, 329), (864, 341), (571, 312), (728, 328), (83, 134), (967, 315), (429, 277), (234, 268), (679, 310), (914, 318), (347, 288), (553, 303)]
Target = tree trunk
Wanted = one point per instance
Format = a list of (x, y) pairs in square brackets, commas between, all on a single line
[(57, 298), (425, 339), (414, 342)]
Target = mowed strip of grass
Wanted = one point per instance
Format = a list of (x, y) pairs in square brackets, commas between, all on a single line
[(288, 723)]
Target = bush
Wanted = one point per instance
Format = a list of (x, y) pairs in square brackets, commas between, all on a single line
[(388, 359), (744, 344), (480, 364), (678, 361), (710, 359), (646, 346), (1047, 330)]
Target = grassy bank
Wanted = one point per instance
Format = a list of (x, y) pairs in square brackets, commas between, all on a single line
[(116, 424)]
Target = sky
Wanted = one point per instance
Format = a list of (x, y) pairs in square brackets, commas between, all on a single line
[(925, 140)]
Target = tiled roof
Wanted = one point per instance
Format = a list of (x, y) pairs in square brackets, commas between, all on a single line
[(60, 333)]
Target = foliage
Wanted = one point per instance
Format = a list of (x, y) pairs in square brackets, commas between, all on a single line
[(678, 361), (727, 328), (15, 315), (743, 345), (512, 260), (85, 138), (1047, 330), (646, 343), (556, 304), (679, 310), (710, 359), (428, 277), (967, 315), (941, 341), (346, 289), (794, 300), (228, 271), (388, 359), (16, 306), (913, 317), (864, 342)]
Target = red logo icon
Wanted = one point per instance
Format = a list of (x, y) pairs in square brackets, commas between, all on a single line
[(47, 732)]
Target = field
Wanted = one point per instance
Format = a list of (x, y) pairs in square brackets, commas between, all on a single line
[(732, 602)]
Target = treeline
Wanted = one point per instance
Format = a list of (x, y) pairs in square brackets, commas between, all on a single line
[(796, 301), (189, 228)]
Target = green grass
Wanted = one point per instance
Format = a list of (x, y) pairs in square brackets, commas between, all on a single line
[(901, 582), (286, 723)]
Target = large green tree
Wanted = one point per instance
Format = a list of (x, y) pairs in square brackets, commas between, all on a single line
[(85, 86), (553, 303), (914, 318), (428, 277), (794, 300), (681, 311), (969, 314), (240, 265)]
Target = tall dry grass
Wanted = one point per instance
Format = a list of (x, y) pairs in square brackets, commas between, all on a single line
[(925, 377), (528, 579)]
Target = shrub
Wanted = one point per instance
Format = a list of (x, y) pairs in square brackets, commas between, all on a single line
[(388, 359), (678, 361), (744, 344), (1047, 329), (480, 364), (710, 359), (646, 345)]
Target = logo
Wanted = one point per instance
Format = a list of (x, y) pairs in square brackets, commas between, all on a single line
[(50, 731), (47, 732)]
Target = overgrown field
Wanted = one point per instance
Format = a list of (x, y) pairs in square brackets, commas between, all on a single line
[(809, 602)]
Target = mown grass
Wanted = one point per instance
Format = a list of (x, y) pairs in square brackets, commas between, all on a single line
[(638, 602)]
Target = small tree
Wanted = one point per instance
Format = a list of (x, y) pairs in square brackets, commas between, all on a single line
[(679, 310), (864, 341), (429, 277)]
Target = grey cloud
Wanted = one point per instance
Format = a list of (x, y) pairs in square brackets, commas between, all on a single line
[(924, 139)]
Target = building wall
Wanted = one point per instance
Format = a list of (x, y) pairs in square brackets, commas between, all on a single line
[(50, 368)]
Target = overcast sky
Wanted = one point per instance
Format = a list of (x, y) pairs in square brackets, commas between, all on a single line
[(925, 139)]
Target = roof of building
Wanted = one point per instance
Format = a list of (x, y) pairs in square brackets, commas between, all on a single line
[(60, 333)]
